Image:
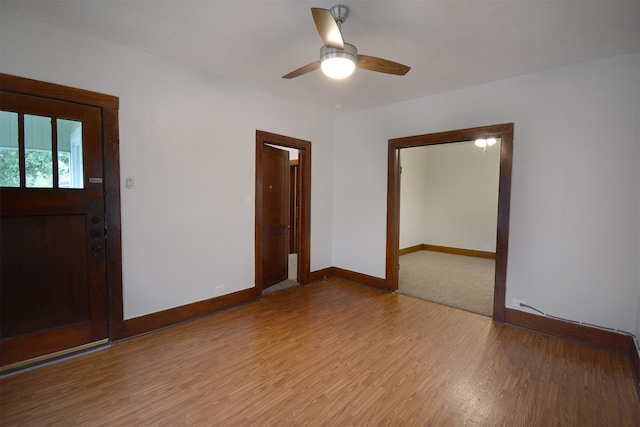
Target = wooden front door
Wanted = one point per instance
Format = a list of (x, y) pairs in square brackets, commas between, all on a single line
[(52, 230), (275, 216)]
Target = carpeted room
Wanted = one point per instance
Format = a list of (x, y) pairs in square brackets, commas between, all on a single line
[(448, 223)]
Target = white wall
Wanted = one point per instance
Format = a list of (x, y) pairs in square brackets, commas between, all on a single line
[(188, 139), (455, 201), (575, 209), (412, 196), (461, 204)]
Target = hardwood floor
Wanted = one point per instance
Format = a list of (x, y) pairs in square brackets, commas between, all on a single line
[(331, 353)]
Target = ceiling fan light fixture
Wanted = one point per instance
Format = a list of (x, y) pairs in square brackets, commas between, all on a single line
[(338, 68), (488, 142), (338, 63)]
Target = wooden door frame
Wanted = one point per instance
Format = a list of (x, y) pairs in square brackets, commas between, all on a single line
[(304, 164), (109, 106), (503, 131), (294, 199)]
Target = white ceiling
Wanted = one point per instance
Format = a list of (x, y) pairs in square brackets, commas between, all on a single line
[(449, 44)]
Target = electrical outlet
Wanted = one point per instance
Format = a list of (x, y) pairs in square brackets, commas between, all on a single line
[(516, 303), (219, 289)]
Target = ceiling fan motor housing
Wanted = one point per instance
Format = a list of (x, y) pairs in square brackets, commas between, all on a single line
[(349, 52)]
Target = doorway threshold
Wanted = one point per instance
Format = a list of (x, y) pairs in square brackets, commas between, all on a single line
[(47, 359)]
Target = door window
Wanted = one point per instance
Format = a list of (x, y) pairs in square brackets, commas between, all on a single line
[(50, 154), (38, 161), (70, 172), (9, 158)]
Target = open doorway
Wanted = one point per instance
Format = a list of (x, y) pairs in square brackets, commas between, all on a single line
[(283, 183), (505, 133), (448, 217)]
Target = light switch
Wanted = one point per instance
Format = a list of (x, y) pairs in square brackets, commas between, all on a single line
[(128, 182)]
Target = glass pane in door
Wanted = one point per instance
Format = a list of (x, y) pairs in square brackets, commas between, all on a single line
[(70, 170), (38, 152), (9, 154)]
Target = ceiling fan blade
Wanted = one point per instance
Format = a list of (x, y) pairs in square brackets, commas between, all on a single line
[(327, 27), (302, 70), (381, 65)]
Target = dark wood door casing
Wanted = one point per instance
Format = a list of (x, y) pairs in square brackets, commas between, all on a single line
[(503, 131), (294, 207), (304, 220), (109, 131)]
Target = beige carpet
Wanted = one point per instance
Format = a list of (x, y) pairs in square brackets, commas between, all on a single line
[(454, 280)]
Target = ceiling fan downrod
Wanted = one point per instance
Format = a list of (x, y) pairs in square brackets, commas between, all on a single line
[(340, 13)]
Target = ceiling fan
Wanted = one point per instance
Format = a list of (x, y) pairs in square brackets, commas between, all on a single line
[(337, 58)]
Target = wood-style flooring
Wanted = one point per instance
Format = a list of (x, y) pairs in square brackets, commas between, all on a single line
[(331, 353)]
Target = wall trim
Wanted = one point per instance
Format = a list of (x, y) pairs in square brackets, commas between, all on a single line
[(410, 249), (364, 279), (172, 316), (352, 276), (316, 276), (161, 319), (448, 250), (460, 251), (594, 337), (581, 334)]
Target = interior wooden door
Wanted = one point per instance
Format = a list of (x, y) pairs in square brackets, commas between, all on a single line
[(52, 243), (275, 216)]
